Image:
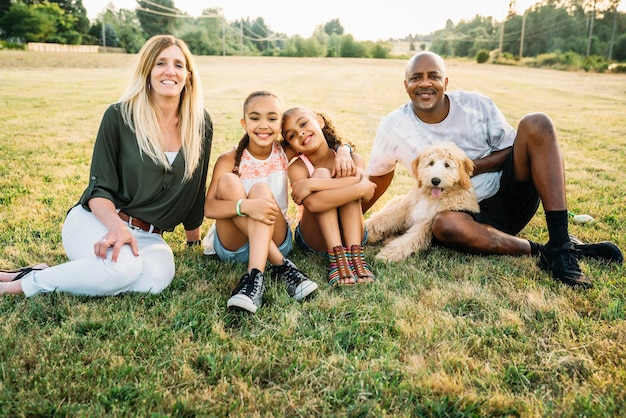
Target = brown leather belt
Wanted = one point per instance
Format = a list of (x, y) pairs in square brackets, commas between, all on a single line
[(137, 223)]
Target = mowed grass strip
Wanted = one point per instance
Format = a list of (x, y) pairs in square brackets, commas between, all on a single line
[(441, 334)]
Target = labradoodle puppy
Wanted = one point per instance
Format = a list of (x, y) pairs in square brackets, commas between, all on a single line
[(442, 173)]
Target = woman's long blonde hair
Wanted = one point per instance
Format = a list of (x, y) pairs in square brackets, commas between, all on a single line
[(140, 113)]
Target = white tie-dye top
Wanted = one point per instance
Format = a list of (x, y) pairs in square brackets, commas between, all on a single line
[(272, 171), (474, 123)]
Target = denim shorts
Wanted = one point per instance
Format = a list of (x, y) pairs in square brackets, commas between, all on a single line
[(242, 254), (302, 244)]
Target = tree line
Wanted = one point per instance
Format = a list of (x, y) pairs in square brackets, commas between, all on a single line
[(593, 29), (65, 21)]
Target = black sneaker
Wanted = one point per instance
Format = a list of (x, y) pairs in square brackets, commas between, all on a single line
[(248, 295), (563, 264), (604, 250), (299, 286)]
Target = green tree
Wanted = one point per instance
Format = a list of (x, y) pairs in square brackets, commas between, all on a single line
[(545, 28), (23, 23), (44, 22), (619, 50), (258, 33), (333, 48), (206, 35), (63, 24), (297, 46), (129, 33), (110, 35), (5, 5), (320, 34), (78, 11), (470, 36), (197, 40), (74, 14), (125, 25), (380, 50), (351, 48), (157, 20), (333, 27)]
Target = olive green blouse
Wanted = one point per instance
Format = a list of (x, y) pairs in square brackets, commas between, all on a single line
[(139, 186)]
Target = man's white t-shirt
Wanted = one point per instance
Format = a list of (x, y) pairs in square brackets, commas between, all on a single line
[(474, 123)]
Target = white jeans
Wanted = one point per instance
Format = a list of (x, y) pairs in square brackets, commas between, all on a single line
[(85, 274)]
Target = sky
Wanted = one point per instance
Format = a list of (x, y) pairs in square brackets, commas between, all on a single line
[(371, 20)]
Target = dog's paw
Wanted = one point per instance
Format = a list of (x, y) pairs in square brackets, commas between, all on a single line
[(373, 238), (391, 255), (382, 257), (373, 234)]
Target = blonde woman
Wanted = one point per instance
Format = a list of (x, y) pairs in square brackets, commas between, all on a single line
[(148, 175)]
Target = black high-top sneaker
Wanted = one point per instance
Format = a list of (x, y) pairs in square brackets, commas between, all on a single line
[(562, 263), (299, 286), (248, 295)]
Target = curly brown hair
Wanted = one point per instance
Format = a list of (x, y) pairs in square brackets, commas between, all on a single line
[(332, 136)]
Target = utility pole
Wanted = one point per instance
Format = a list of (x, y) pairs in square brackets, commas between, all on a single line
[(521, 42), (510, 11), (501, 39), (593, 18), (613, 33), (104, 36)]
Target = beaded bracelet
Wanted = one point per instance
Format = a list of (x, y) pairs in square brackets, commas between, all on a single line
[(239, 208)]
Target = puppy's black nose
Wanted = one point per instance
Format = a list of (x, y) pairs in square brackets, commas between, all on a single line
[(435, 181)]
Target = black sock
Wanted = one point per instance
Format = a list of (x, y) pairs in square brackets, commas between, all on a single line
[(535, 247), (557, 227)]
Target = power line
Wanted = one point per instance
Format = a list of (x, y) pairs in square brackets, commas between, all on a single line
[(269, 38), (175, 13), (160, 6), (272, 36), (171, 12)]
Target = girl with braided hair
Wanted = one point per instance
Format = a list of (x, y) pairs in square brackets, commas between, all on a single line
[(332, 219), (248, 198)]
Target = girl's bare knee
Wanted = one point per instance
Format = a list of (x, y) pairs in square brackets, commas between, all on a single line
[(259, 190)]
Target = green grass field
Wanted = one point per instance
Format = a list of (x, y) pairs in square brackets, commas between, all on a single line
[(443, 334)]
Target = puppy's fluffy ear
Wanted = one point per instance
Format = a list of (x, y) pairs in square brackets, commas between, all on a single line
[(466, 170), (414, 167)]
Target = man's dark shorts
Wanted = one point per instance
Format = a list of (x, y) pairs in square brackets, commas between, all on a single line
[(513, 206)]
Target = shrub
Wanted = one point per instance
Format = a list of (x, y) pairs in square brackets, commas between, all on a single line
[(482, 56), (509, 57), (617, 68), (547, 60), (595, 63), (12, 45)]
